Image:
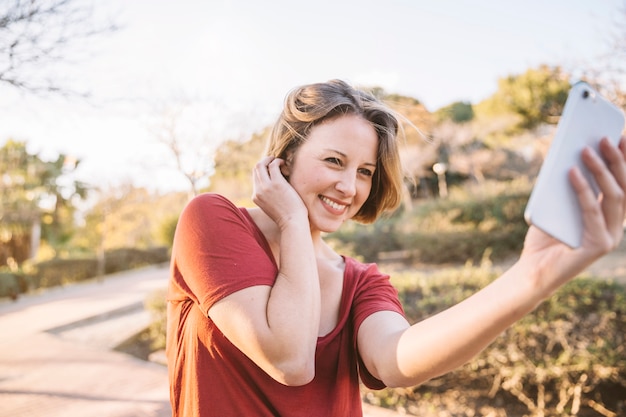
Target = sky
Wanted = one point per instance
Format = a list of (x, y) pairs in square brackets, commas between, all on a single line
[(221, 69)]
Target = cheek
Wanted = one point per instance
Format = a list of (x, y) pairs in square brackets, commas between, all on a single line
[(364, 190), (303, 184)]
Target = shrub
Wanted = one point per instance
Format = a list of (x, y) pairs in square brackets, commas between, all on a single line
[(568, 357), (10, 285), (63, 271), (454, 230), (367, 242), (60, 271), (129, 258), (156, 304)]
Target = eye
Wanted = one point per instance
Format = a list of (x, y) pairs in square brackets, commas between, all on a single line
[(333, 160), (366, 172)]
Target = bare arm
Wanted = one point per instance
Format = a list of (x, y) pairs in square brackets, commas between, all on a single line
[(277, 327), (403, 355)]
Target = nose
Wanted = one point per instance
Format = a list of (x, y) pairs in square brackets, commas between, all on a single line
[(347, 183)]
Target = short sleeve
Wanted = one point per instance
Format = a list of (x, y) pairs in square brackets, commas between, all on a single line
[(218, 250), (373, 293)]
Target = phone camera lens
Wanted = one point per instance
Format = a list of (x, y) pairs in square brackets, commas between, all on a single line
[(585, 94)]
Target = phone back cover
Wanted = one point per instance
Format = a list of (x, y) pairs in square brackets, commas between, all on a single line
[(553, 205)]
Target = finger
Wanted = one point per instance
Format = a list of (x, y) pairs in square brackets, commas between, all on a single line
[(261, 168), (273, 168), (615, 158), (614, 196), (595, 225), (610, 175), (260, 179)]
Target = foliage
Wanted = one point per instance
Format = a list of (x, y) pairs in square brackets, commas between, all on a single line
[(416, 121), (414, 117), (122, 259), (12, 284), (566, 358), (538, 95), (454, 230), (127, 216), (35, 193), (56, 272), (367, 242), (156, 304), (458, 112), (167, 229), (234, 161)]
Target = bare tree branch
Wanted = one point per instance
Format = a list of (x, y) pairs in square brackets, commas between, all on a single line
[(36, 35), (183, 132), (609, 75)]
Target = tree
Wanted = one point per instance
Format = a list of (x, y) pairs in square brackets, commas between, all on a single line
[(608, 72), (37, 198), (128, 217), (183, 131), (537, 96), (457, 112), (36, 36), (234, 161)]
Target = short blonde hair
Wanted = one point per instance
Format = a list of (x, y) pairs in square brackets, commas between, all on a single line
[(310, 105)]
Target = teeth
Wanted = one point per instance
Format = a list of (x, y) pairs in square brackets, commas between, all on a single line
[(334, 205)]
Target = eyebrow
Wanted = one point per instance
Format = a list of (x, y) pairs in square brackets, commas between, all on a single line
[(371, 164)]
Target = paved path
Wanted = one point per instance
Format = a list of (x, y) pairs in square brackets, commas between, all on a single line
[(47, 370), (56, 357)]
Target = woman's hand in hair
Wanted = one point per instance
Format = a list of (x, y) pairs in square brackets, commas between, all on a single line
[(274, 195)]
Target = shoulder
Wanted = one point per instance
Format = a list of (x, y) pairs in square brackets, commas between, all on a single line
[(361, 270), (210, 200), (208, 203), (367, 281), (211, 212)]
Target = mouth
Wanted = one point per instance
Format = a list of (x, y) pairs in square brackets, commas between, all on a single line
[(333, 204)]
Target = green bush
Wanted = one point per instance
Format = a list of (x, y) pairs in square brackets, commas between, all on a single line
[(367, 242), (568, 357), (156, 304), (129, 258), (11, 284), (59, 271), (453, 230)]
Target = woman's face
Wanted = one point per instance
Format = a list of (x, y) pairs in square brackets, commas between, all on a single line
[(332, 170)]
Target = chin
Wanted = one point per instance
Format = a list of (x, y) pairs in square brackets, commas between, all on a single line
[(328, 227)]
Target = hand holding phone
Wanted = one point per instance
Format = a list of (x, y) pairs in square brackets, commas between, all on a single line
[(553, 206)]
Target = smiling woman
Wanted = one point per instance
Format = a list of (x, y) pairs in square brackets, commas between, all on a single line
[(332, 171), (266, 319)]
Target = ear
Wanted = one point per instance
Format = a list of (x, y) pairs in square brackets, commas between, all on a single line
[(285, 168)]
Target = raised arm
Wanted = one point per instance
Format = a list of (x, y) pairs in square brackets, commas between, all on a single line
[(403, 355), (277, 327)]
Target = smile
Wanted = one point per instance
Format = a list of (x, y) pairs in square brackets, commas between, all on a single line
[(334, 205)]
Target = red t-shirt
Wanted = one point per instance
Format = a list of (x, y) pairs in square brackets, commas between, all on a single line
[(218, 249)]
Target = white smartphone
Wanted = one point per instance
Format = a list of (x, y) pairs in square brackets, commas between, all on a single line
[(587, 118)]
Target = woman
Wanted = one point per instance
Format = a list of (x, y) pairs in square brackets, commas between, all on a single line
[(265, 319)]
